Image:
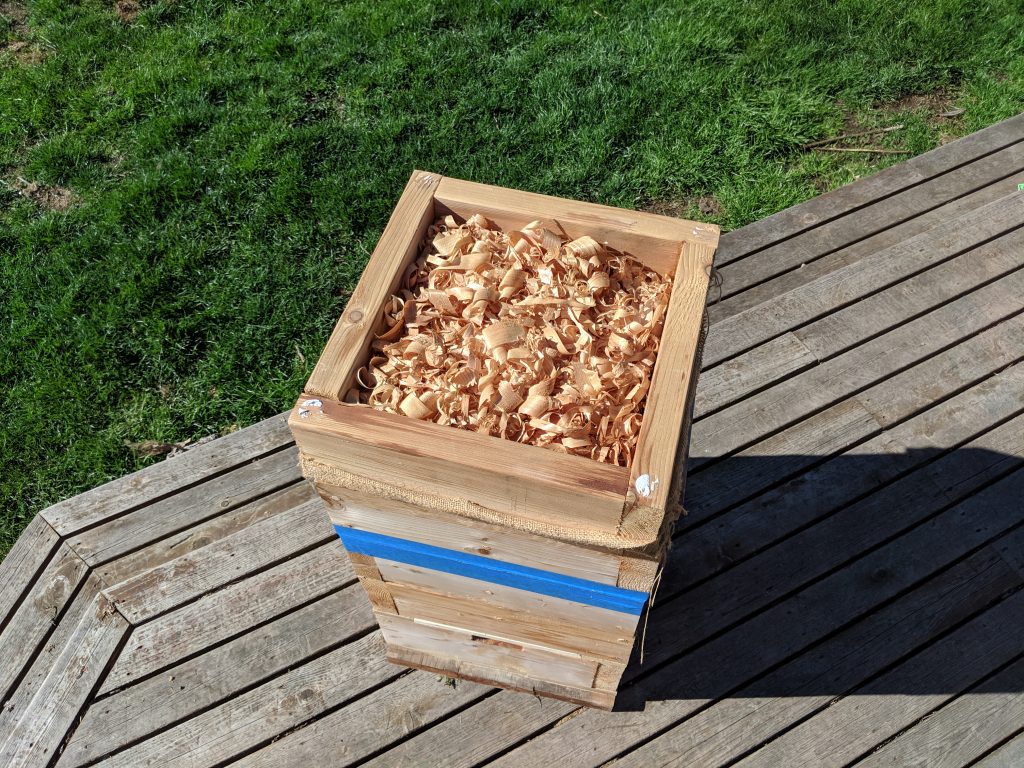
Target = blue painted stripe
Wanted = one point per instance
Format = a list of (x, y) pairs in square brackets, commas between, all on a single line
[(495, 571)]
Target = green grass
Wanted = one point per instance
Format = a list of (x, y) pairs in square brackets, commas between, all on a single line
[(234, 163)]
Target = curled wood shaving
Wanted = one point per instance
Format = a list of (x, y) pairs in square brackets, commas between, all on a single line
[(524, 335)]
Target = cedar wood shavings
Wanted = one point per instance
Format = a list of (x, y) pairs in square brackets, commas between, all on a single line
[(523, 335)]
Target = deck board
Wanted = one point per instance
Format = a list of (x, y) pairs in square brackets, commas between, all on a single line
[(843, 589)]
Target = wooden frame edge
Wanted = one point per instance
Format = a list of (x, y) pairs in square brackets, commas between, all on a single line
[(349, 341)]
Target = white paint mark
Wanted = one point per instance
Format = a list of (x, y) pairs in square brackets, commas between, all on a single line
[(303, 413), (313, 403), (645, 485)]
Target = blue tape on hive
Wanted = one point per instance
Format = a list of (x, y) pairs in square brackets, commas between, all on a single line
[(495, 571)]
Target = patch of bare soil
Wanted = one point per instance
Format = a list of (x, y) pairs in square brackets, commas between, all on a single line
[(707, 206), (15, 15), (127, 10), (52, 198)]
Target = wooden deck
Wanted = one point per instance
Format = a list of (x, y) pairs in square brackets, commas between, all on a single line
[(847, 587)]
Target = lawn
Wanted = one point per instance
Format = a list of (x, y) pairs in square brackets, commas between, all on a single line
[(189, 188)]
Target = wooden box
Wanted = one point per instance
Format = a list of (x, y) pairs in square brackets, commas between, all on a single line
[(487, 559)]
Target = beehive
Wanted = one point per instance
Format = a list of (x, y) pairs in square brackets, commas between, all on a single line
[(488, 559)]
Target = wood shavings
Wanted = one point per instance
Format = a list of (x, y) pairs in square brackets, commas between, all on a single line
[(525, 335)]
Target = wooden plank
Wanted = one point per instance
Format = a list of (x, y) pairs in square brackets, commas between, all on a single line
[(523, 481), (962, 730), (259, 715), (841, 331), (530, 580), (1010, 755), (882, 217), (60, 696), (960, 322), (856, 723), (23, 563), (916, 388), (709, 671), (836, 259), (38, 613), (216, 675), (810, 301), (192, 575), (467, 670), (756, 369), (652, 239), (343, 738), (472, 656), (753, 715), (874, 189), (193, 505), (598, 638), (657, 453), (17, 703), (349, 343), (904, 301), (205, 533), (229, 612), (734, 724), (779, 457), (521, 607), (395, 518), (707, 549), (172, 476)]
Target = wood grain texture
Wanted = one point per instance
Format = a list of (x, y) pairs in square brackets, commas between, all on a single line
[(265, 712), (585, 630), (38, 613), (192, 575), (867, 716), (786, 454), (809, 683), (349, 343), (229, 612), (462, 534), (501, 475), (205, 533), (342, 738), (756, 369), (1009, 755), (650, 238), (167, 477), (694, 680), (831, 292), (23, 562), (848, 254), (674, 378), (69, 681), (217, 674), (958, 322), (467, 670), (838, 540), (185, 509), (742, 720), (843, 330), (521, 606), (459, 651), (971, 420), (963, 729), (17, 703)]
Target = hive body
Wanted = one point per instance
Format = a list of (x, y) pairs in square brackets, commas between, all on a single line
[(484, 558)]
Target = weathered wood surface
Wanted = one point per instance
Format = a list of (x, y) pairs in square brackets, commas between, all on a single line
[(846, 588)]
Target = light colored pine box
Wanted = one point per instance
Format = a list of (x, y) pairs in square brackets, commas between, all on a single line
[(484, 558)]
